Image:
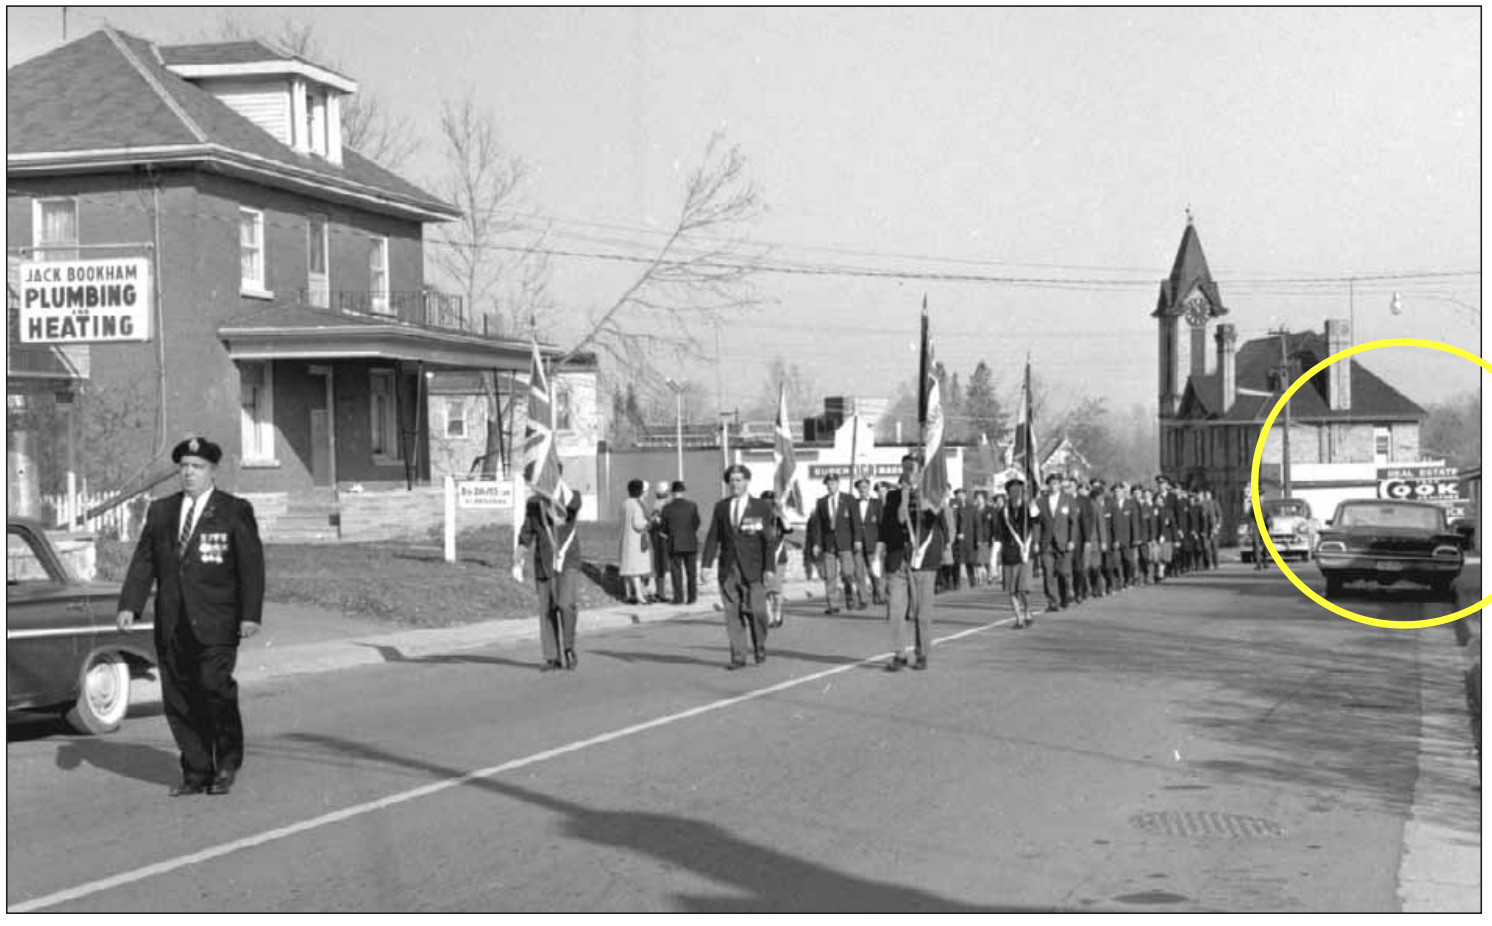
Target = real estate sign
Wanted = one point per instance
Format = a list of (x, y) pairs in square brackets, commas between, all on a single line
[(1438, 484), (85, 301)]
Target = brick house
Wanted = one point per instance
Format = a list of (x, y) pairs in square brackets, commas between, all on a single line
[(292, 320), (1213, 403)]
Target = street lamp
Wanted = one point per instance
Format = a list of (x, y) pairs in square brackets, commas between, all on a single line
[(678, 405)]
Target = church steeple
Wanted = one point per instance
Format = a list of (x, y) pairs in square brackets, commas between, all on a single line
[(1188, 303)]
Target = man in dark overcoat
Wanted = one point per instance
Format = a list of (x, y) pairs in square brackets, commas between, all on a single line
[(200, 552), (681, 522)]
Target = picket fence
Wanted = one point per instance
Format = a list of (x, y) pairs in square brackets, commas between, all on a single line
[(65, 512)]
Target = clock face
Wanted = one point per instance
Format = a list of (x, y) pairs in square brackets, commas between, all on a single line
[(1196, 311)]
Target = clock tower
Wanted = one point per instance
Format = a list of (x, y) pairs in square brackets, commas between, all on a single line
[(1188, 303)]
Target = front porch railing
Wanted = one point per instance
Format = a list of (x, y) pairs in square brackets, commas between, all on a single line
[(426, 308)]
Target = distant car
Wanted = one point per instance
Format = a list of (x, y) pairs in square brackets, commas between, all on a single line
[(62, 648), (1387, 541), (1290, 524)]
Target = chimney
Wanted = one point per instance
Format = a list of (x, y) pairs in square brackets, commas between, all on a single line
[(1227, 364), (1339, 375)]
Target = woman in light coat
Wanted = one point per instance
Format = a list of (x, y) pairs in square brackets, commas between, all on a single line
[(635, 562)]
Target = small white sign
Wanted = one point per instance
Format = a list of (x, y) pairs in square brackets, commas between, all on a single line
[(484, 493), (85, 301)]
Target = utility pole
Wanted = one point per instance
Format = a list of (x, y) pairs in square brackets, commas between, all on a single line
[(1284, 374)]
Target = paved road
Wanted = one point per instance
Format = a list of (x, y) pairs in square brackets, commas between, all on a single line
[(1218, 743)]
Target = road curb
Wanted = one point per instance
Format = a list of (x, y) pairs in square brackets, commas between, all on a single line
[(258, 666)]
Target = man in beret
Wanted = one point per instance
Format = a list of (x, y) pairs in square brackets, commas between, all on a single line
[(744, 530), (200, 551)]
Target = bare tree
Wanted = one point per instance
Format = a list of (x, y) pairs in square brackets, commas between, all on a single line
[(490, 255), (701, 273)]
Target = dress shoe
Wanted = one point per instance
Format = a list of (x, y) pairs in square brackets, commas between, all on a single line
[(831, 610), (921, 663), (571, 661), (693, 600), (761, 656), (733, 665), (187, 787), (222, 782), (896, 664), (550, 665)]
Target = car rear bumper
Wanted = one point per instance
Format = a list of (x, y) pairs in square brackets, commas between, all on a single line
[(1367, 566)]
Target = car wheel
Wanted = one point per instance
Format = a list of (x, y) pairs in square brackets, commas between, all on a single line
[(103, 696), (1333, 586)]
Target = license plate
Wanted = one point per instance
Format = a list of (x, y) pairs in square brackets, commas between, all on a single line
[(1388, 565)]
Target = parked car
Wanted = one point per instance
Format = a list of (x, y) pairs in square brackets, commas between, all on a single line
[(62, 648), (1290, 524), (1386, 541)]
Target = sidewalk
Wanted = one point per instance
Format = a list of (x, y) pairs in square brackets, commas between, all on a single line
[(300, 639)]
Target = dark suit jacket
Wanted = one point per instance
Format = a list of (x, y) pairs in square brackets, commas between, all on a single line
[(216, 586), (535, 533), (1059, 525), (870, 523), (1093, 523), (681, 521), (1124, 532), (840, 536), (750, 548), (973, 529), (897, 536)]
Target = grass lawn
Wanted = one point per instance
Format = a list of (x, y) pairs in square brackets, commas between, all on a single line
[(409, 583)]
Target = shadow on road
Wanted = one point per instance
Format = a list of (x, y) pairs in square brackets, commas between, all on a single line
[(394, 654), (127, 760), (771, 880)]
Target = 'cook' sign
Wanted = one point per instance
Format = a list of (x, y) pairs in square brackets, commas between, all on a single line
[(82, 301)]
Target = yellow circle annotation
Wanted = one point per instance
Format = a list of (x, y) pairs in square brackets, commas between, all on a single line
[(1259, 457)]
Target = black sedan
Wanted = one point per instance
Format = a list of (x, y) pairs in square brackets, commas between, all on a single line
[(62, 648), (1388, 541)]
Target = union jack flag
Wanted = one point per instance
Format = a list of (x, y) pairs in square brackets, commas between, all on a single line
[(538, 442)]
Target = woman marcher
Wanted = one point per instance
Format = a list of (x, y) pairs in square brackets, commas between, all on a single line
[(774, 586), (635, 563)]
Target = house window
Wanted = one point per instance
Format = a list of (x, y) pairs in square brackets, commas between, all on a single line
[(256, 404), (455, 417), (385, 411), (316, 122), (318, 288), (378, 273), (251, 249), (54, 229), (1382, 445)]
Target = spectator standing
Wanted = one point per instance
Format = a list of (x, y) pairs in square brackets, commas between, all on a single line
[(658, 544), (634, 562), (681, 520)]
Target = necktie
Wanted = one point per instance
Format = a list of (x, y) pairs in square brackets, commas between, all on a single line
[(186, 528), (832, 510), (736, 514)]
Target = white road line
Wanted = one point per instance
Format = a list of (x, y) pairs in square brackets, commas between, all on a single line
[(347, 813)]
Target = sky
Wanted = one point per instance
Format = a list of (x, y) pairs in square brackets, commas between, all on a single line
[(1329, 158)]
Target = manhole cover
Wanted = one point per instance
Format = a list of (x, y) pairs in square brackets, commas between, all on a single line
[(1205, 823)]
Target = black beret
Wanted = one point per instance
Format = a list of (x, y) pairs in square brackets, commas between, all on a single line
[(678, 486), (832, 477), (197, 447)]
